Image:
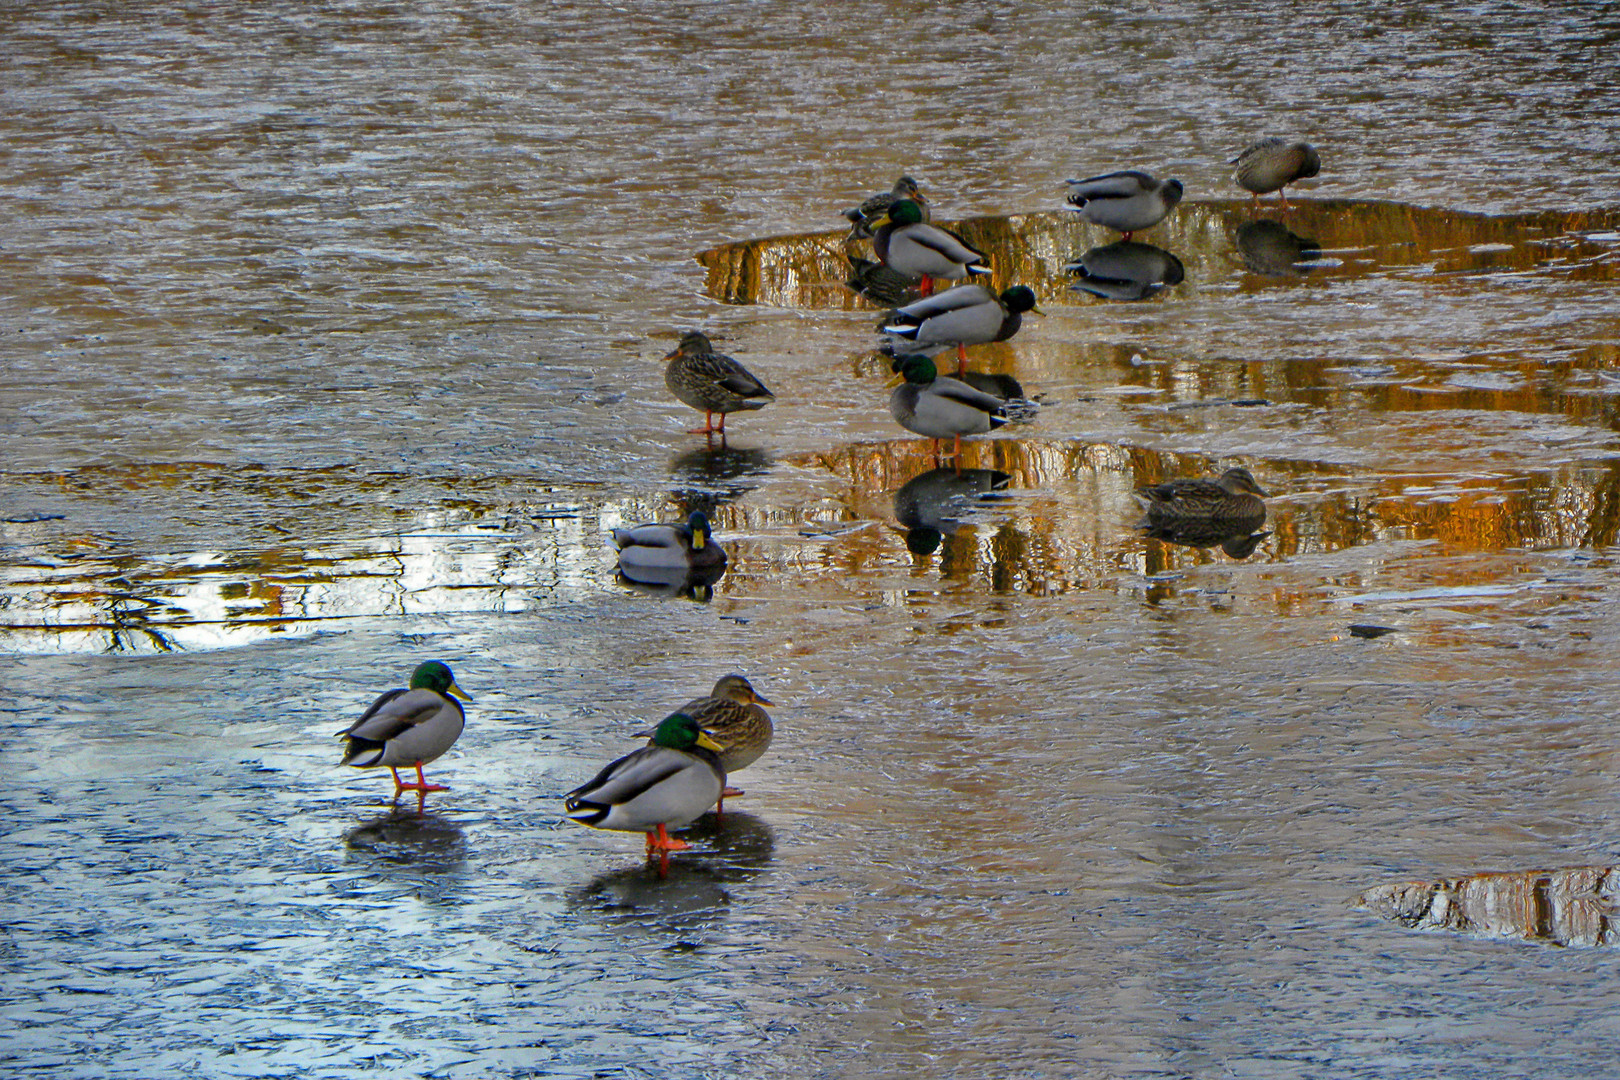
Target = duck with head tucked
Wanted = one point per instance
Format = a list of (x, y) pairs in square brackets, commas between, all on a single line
[(1127, 201), (704, 379), (662, 786), (1272, 164), (906, 243), (662, 547), (862, 217), (963, 316), (731, 714), (1235, 496), (409, 726)]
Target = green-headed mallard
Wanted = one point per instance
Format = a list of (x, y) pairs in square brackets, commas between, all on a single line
[(940, 407), (704, 379), (875, 206), (661, 786), (905, 242), (732, 715), (1272, 164), (406, 727), (1233, 497), (963, 316), (1126, 201), (668, 547)]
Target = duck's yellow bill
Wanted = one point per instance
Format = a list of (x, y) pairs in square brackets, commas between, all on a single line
[(457, 692), (708, 743)]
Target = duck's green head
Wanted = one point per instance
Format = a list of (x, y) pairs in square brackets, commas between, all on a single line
[(435, 676), (1019, 299), (902, 212), (677, 731), (700, 530), (916, 368)]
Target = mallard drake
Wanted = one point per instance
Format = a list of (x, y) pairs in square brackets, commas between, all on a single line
[(940, 407), (704, 379), (905, 242), (662, 786), (409, 727), (1233, 497), (732, 714), (875, 206), (963, 316), (1126, 201), (660, 547), (1272, 164)]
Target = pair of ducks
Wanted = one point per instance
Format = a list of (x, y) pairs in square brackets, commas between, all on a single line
[(666, 784), (1131, 200)]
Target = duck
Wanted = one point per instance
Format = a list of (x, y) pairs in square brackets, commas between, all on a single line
[(1234, 496), (731, 714), (409, 726), (881, 284), (906, 243), (940, 407), (1127, 201), (661, 547), (662, 786), (873, 207), (963, 316), (1272, 164), (704, 379)]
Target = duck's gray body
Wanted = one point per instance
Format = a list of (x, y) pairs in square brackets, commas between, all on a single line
[(965, 315), (403, 728), (1127, 201), (653, 786)]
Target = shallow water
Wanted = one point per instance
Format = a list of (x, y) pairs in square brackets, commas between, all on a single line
[(332, 343)]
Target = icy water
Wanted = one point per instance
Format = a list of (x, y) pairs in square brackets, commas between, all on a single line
[(331, 340)]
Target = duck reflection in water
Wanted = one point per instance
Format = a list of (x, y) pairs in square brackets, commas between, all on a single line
[(411, 843), (675, 583), (1270, 248), (933, 505), (688, 893), (882, 284), (1126, 270), (715, 469)]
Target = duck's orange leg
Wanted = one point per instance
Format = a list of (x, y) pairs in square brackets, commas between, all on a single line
[(421, 786), (660, 841)]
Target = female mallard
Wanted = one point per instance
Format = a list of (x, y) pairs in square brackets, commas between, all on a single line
[(732, 715), (1272, 164), (1125, 201), (665, 547), (704, 379), (941, 407), (963, 316), (1235, 496), (875, 206), (664, 785), (409, 727), (908, 244)]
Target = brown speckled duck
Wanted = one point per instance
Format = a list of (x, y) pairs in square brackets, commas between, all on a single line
[(732, 715), (704, 379), (1234, 496), (1272, 164), (863, 217)]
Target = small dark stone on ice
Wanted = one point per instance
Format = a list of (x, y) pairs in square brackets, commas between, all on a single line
[(1368, 630)]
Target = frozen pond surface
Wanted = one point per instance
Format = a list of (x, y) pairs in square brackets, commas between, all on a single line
[(331, 344)]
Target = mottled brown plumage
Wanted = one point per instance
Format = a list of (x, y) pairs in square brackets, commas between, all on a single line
[(706, 380), (1235, 496), (863, 216), (732, 714), (1272, 164)]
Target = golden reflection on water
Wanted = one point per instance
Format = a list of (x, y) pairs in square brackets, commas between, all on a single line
[(1578, 906), (1217, 241), (1028, 515)]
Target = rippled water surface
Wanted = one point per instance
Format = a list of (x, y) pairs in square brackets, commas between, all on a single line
[(331, 343)]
